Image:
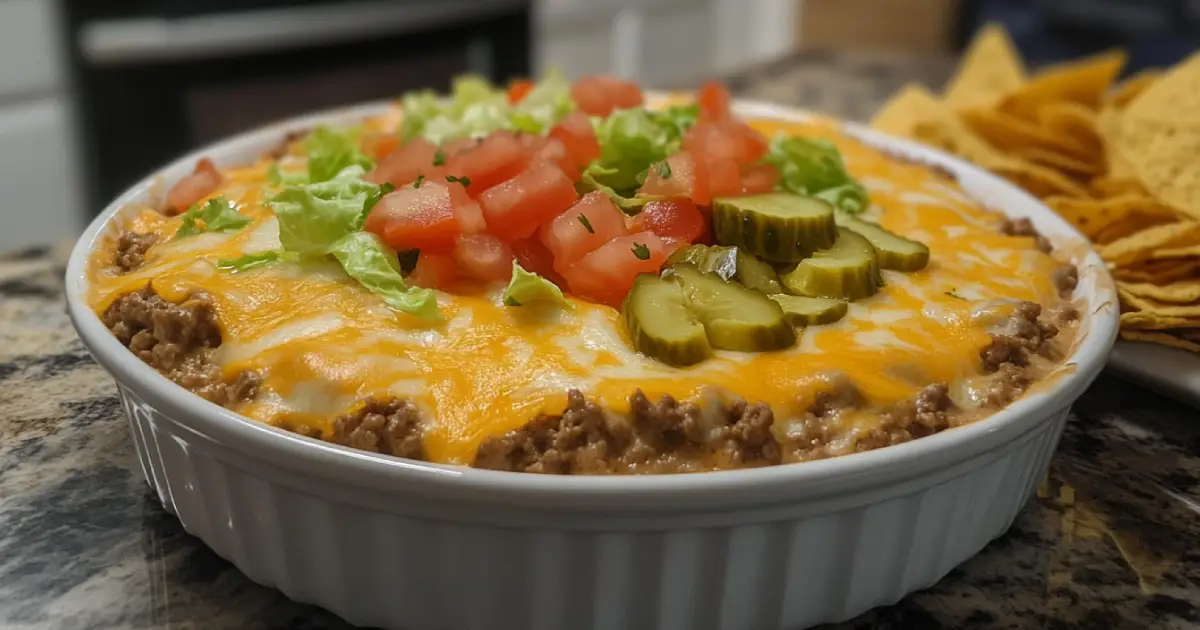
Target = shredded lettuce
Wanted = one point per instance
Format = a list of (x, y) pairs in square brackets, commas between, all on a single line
[(250, 261), (278, 177), (330, 151), (547, 103), (326, 218), (218, 215), (475, 109), (526, 287), (376, 267), (631, 140), (814, 167)]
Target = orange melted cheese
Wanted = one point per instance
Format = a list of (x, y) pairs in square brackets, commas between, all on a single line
[(323, 342)]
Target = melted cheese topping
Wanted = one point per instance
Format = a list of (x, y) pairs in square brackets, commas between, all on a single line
[(323, 342)]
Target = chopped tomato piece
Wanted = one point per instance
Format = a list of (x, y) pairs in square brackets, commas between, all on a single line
[(724, 178), (576, 133), (553, 150), (516, 208), (726, 140), (759, 178), (593, 221), (675, 244), (518, 89), (379, 144), (534, 257), (498, 158), (418, 218), (681, 177), (600, 95), (470, 216), (404, 165), (677, 219), (451, 148), (433, 271), (713, 100), (204, 181), (483, 256), (607, 274)]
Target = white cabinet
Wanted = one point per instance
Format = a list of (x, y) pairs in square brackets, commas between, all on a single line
[(661, 42), (39, 175)]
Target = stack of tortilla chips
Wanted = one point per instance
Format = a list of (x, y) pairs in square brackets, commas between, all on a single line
[(1119, 160)]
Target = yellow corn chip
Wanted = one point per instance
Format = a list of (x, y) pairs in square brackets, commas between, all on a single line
[(1074, 121), (1008, 133), (1159, 271), (1038, 180), (1084, 81), (1185, 292), (1162, 339), (1130, 88), (913, 104), (1094, 217), (1140, 246), (1170, 253), (1174, 97), (1115, 186), (991, 67), (1126, 226), (1170, 170), (1059, 161)]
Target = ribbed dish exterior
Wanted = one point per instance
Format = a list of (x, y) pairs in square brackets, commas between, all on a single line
[(395, 566)]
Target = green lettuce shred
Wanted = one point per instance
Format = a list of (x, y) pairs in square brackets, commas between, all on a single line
[(375, 266), (250, 261), (526, 287), (218, 215), (815, 168), (631, 140)]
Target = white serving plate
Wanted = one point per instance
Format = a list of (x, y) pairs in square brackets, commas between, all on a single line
[(1171, 371), (399, 544)]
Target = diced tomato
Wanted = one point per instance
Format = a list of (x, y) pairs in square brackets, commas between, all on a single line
[(483, 256), (575, 131), (607, 274), (433, 271), (724, 178), (726, 140), (682, 177), (470, 217), (518, 89), (554, 151), (759, 178), (677, 219), (418, 218), (713, 100), (675, 244), (404, 165), (498, 158), (533, 256), (451, 148), (600, 95), (569, 239), (516, 208), (204, 181), (378, 145)]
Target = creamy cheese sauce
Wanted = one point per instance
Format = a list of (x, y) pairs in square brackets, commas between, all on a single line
[(322, 342)]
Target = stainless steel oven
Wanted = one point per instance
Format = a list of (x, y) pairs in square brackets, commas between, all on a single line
[(153, 78)]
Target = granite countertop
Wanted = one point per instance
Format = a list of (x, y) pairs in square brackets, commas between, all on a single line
[(1112, 540)]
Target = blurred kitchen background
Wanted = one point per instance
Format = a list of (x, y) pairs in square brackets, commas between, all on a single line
[(94, 94)]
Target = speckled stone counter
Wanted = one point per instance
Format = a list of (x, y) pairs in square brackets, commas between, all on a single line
[(1111, 542)]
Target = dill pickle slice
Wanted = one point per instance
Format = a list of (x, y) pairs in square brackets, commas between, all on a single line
[(660, 324), (734, 317), (894, 251), (849, 270), (777, 227), (731, 263), (803, 311)]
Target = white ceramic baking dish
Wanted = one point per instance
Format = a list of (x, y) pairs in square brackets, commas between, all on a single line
[(399, 544)]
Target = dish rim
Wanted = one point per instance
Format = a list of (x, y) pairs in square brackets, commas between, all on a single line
[(646, 493)]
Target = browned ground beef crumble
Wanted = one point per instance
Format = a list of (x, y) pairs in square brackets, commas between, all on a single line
[(1024, 227), (131, 250), (178, 341), (391, 427)]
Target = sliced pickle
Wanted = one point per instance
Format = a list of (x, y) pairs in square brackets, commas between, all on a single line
[(894, 251), (803, 311), (849, 270), (735, 318), (660, 324), (731, 263), (778, 227)]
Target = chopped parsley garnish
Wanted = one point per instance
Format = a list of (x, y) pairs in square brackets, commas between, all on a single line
[(420, 180), (664, 170), (641, 251), (439, 157), (464, 180), (954, 295), (587, 224)]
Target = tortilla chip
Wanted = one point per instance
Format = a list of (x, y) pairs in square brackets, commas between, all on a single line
[(1109, 126), (1171, 253), (908, 107), (1141, 245), (1038, 180), (1174, 97), (1074, 121), (1073, 166), (991, 67), (1084, 81), (1115, 186), (1126, 226), (1185, 292), (1169, 168), (1132, 87), (1008, 133), (1159, 271), (1094, 217), (1162, 339)]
